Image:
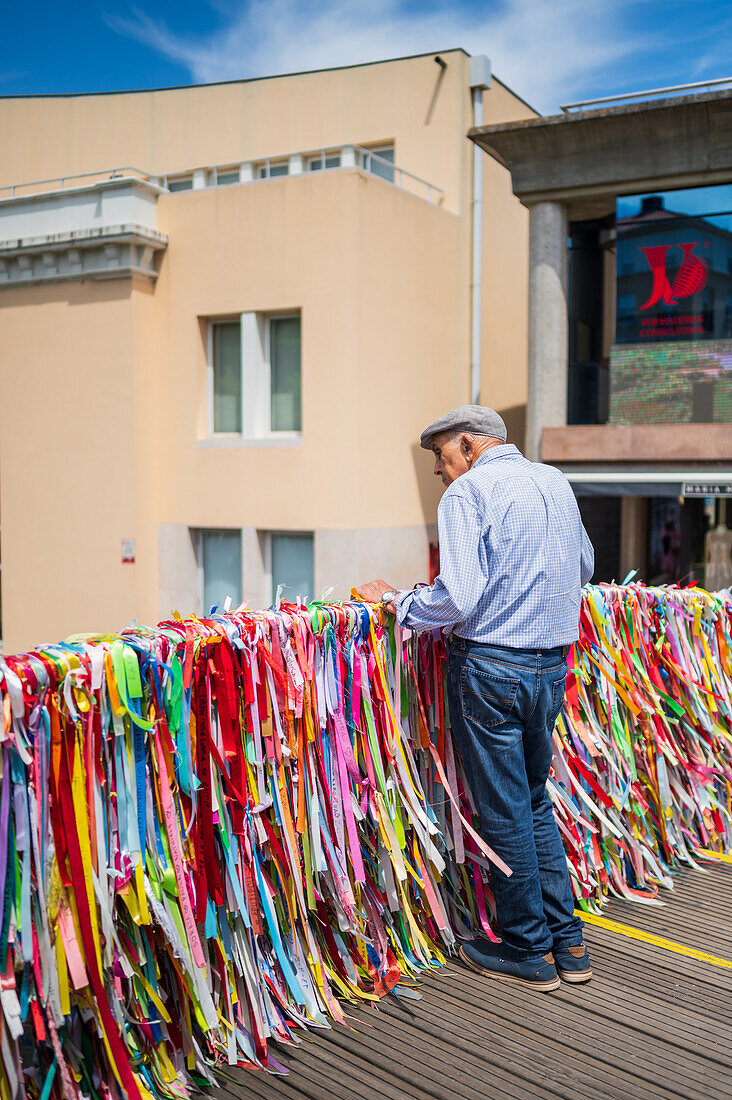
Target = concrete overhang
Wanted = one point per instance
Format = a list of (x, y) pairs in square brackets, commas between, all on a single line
[(663, 144), (644, 443)]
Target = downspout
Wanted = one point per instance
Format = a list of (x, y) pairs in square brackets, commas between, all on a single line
[(480, 80)]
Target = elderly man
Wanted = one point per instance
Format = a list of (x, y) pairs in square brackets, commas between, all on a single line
[(513, 558)]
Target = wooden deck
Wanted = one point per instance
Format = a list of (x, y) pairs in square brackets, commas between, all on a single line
[(652, 1023)]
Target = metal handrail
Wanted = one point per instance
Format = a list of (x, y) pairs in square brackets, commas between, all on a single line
[(106, 173), (434, 193), (402, 172), (567, 107)]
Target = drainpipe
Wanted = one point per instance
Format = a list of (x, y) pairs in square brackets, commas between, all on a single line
[(480, 81)]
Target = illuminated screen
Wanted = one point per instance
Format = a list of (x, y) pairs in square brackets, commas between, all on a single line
[(672, 358)]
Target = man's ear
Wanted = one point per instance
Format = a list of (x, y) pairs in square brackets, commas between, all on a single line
[(466, 445)]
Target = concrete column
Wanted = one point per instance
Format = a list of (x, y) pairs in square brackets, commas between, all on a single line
[(633, 536), (255, 588), (199, 179), (296, 164), (348, 157), (179, 582), (246, 171), (548, 322)]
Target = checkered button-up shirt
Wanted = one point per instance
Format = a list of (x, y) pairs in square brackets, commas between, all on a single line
[(513, 557)]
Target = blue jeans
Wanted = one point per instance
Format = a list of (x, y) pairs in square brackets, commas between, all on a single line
[(503, 706)]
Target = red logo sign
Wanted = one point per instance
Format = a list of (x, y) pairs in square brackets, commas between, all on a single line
[(690, 278)]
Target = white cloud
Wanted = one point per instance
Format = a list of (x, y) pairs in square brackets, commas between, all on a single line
[(547, 50)]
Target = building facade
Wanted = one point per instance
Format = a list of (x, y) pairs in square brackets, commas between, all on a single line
[(226, 313), (630, 319)]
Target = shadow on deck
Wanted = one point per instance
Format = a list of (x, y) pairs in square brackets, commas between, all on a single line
[(652, 1023)]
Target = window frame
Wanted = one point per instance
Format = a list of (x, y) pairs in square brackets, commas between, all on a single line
[(266, 320), (317, 162), (378, 151), (210, 375), (198, 537), (184, 181), (255, 369), (264, 168), (230, 170), (266, 542)]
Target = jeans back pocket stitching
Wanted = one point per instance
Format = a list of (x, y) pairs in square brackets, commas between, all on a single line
[(465, 689)]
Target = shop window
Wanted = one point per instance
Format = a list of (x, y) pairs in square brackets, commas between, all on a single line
[(219, 565), (601, 516), (292, 564), (664, 540)]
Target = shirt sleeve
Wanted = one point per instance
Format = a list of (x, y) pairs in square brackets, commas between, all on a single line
[(454, 595), (587, 558)]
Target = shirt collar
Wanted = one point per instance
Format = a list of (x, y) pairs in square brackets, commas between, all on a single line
[(502, 451)]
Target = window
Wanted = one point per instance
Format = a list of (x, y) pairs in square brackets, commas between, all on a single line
[(181, 183), (273, 168), (324, 160), (226, 175), (292, 565), (219, 564), (379, 161), (285, 389), (226, 361), (255, 376)]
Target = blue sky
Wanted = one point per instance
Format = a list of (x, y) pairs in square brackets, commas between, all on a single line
[(549, 51)]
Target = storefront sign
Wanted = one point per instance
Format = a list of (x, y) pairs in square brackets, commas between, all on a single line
[(674, 279), (706, 488)]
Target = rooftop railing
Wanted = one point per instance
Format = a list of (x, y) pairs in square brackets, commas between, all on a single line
[(649, 93), (79, 179), (245, 172)]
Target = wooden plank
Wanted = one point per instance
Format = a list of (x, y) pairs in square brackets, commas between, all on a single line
[(571, 1041), (651, 1024)]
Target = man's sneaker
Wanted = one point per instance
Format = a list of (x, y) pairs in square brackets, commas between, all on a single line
[(573, 963), (488, 959)]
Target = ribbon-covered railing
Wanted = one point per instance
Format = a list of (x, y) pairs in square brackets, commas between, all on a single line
[(219, 832)]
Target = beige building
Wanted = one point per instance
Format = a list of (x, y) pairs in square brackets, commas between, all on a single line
[(226, 312)]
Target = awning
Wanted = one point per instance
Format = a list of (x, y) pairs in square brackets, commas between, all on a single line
[(651, 483)]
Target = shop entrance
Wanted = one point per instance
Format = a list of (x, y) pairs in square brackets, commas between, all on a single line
[(664, 538)]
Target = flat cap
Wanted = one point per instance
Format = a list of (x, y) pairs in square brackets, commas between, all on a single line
[(468, 418)]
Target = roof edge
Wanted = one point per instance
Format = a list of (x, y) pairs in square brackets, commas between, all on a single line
[(238, 80), (520, 98)]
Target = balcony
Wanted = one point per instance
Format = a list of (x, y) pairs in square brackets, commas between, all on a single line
[(377, 161), (100, 230), (103, 224)]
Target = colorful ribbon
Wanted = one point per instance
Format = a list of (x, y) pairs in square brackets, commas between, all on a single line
[(222, 831)]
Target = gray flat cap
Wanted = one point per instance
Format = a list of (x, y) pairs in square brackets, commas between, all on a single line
[(468, 418)]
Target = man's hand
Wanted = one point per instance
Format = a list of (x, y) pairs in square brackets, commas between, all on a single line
[(371, 593)]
